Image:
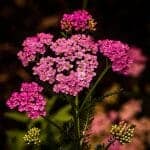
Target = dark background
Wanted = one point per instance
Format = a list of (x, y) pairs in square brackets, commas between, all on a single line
[(125, 20)]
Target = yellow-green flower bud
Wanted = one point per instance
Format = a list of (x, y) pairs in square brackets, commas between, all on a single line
[(123, 132), (32, 136), (92, 24)]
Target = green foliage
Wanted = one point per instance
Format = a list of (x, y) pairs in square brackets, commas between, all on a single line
[(63, 114), (20, 117), (15, 139), (49, 135), (50, 103)]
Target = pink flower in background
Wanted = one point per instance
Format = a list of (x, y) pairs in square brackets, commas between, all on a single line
[(139, 60), (130, 109), (118, 53), (72, 66), (113, 115), (143, 127), (79, 20), (29, 100), (99, 124), (136, 144), (98, 130), (142, 134), (33, 46), (115, 146)]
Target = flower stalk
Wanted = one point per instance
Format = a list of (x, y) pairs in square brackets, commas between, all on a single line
[(85, 2), (75, 108), (53, 123), (94, 86)]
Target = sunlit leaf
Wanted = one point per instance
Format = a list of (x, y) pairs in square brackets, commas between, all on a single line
[(15, 139), (50, 103), (17, 116), (63, 114)]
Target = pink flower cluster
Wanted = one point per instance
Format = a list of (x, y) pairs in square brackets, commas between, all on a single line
[(130, 109), (139, 61), (118, 53), (45, 70), (34, 45), (99, 123), (79, 20), (73, 66), (29, 100)]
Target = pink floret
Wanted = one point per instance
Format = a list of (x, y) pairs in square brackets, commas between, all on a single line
[(33, 46), (118, 53), (73, 66), (29, 99)]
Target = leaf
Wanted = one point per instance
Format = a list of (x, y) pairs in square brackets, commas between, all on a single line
[(15, 139), (63, 114), (50, 103), (34, 122), (17, 116)]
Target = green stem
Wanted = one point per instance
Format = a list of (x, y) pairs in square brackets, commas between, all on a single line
[(77, 116), (36, 147), (53, 123), (85, 128), (75, 107), (85, 2), (94, 86), (102, 97), (64, 34)]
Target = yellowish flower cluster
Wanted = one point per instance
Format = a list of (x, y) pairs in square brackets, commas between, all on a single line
[(92, 24), (123, 132), (32, 136)]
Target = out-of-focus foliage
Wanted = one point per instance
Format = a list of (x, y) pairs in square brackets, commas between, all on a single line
[(103, 118), (15, 140), (61, 116)]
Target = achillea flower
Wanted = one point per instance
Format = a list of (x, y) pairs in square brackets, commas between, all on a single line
[(111, 144), (98, 130), (118, 53), (136, 144), (115, 146), (45, 38), (139, 60), (123, 132), (45, 70), (99, 124), (130, 109), (32, 136), (33, 46), (73, 66), (29, 100), (79, 20)]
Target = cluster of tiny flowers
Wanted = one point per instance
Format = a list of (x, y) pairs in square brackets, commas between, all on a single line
[(79, 20), (32, 46), (123, 132), (118, 53), (29, 100), (32, 136), (73, 66), (139, 62)]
